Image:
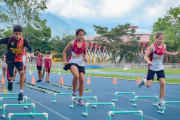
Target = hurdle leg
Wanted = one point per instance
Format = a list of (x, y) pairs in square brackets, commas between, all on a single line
[(54, 98), (114, 100), (1, 103), (72, 104), (155, 104), (3, 113), (86, 110), (133, 97), (95, 106), (25, 97), (135, 102)]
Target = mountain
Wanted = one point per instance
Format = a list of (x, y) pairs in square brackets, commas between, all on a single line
[(57, 25), (60, 26)]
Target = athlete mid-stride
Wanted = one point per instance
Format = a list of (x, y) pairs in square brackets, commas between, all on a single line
[(15, 48)]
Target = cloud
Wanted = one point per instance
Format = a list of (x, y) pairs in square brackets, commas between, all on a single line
[(152, 12), (88, 9)]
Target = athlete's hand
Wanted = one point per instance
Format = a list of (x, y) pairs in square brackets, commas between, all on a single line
[(150, 63), (85, 59), (32, 55), (66, 62), (175, 53)]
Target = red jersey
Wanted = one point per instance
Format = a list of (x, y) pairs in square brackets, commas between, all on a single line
[(39, 60), (48, 62)]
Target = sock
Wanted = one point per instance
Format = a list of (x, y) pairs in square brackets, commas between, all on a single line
[(145, 79), (160, 100), (21, 90)]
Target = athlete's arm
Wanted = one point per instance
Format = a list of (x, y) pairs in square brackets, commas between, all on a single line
[(4, 58), (51, 65), (85, 55), (26, 60), (169, 53), (26, 43), (148, 52), (4, 40), (68, 47)]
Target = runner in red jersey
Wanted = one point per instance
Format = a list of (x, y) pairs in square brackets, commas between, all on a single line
[(75, 62), (48, 66), (39, 64), (15, 47)]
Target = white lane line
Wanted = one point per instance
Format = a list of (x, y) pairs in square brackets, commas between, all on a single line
[(47, 108)]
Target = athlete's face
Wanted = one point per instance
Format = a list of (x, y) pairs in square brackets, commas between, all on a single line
[(160, 40), (37, 52), (80, 36), (48, 55), (17, 35)]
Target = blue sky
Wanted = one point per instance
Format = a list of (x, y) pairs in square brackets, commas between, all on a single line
[(141, 13)]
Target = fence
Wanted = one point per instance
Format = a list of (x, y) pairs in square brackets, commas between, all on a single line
[(108, 65)]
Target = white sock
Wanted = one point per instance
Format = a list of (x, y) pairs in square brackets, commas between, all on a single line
[(145, 79), (21, 90), (160, 100)]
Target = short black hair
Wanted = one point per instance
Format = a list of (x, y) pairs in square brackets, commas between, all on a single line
[(17, 28), (38, 49), (48, 52), (79, 30)]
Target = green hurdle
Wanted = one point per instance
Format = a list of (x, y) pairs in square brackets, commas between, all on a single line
[(136, 97), (110, 113), (9, 93), (55, 94), (29, 104), (116, 93), (96, 103), (84, 97), (27, 114), (1, 98), (166, 102)]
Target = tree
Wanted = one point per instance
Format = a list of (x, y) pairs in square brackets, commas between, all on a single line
[(4, 34), (61, 44), (39, 37), (113, 40), (170, 26), (21, 12)]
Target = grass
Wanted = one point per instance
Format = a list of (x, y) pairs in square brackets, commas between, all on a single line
[(138, 70), (169, 71)]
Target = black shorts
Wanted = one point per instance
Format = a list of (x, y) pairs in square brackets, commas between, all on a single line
[(39, 67), (150, 75), (80, 68), (10, 68)]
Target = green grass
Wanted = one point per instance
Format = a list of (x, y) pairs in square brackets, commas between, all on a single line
[(138, 70), (169, 71)]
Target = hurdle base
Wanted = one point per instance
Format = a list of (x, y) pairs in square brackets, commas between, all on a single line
[(134, 105), (54, 101), (160, 112), (85, 114), (3, 116), (155, 104), (94, 106), (71, 106), (114, 100), (132, 100)]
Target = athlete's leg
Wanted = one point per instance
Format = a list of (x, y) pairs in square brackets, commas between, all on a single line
[(75, 72), (81, 83)]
